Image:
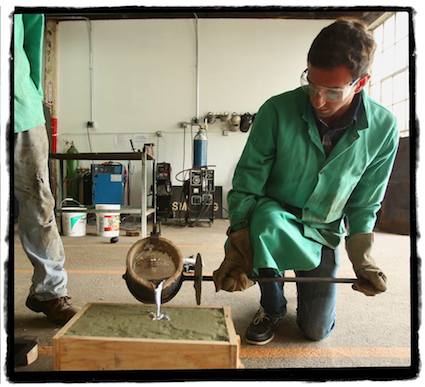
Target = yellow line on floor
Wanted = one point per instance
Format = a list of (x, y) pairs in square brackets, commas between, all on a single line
[(203, 245), (45, 350), (91, 272), (340, 352), (79, 271)]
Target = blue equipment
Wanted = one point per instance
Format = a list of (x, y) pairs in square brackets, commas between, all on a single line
[(108, 183), (200, 142)]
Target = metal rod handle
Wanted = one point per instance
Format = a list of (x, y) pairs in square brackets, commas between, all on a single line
[(295, 279)]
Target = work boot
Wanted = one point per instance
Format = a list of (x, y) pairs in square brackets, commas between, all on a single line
[(59, 310), (262, 328)]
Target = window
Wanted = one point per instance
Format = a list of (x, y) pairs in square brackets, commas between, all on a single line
[(390, 70)]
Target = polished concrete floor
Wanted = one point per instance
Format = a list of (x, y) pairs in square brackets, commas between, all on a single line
[(370, 331)]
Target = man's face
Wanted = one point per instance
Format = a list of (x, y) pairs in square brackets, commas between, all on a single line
[(322, 82)]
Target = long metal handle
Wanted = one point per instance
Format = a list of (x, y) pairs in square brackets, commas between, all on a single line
[(295, 279), (197, 277)]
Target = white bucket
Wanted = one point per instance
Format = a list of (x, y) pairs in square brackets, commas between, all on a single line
[(74, 219), (108, 223)]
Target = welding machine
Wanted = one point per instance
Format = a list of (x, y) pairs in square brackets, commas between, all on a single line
[(200, 196), (163, 190), (108, 183)]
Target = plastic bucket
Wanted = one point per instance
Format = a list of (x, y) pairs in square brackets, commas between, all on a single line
[(108, 223), (74, 218)]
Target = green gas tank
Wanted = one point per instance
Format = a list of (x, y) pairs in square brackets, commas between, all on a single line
[(71, 178), (71, 165)]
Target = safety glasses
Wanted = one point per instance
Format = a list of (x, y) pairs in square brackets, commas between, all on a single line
[(334, 94)]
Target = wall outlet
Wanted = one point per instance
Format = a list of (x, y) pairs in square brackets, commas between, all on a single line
[(91, 124)]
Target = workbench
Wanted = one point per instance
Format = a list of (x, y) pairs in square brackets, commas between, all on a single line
[(143, 157)]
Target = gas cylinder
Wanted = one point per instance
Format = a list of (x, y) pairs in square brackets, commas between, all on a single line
[(200, 142), (71, 165)]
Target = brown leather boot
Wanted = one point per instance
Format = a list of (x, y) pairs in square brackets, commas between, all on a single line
[(59, 310)]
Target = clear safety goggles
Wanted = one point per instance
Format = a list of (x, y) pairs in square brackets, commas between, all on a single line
[(333, 94)]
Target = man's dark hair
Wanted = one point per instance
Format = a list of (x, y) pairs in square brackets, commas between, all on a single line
[(343, 43)]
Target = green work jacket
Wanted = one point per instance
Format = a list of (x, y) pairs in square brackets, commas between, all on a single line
[(28, 71), (284, 160)]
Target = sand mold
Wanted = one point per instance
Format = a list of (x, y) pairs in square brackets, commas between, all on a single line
[(133, 321)]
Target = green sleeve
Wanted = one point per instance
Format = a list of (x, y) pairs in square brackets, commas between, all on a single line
[(33, 46), (365, 201), (28, 71), (253, 168)]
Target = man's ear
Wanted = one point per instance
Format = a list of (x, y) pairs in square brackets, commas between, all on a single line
[(362, 83)]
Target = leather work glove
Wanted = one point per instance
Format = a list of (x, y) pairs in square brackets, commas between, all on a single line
[(232, 275), (371, 280)]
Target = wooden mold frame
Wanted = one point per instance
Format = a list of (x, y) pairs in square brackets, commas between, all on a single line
[(94, 353)]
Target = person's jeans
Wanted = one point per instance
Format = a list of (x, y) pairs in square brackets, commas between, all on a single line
[(316, 301), (36, 223)]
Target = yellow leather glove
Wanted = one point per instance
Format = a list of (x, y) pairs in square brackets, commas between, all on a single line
[(371, 279), (232, 275)]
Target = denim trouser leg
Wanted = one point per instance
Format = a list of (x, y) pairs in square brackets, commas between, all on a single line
[(37, 225), (316, 301), (272, 298)]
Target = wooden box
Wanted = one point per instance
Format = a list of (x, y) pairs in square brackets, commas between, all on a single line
[(106, 336)]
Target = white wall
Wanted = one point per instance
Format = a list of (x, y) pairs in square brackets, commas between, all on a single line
[(145, 81)]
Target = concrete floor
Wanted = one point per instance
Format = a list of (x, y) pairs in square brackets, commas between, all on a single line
[(370, 331)]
